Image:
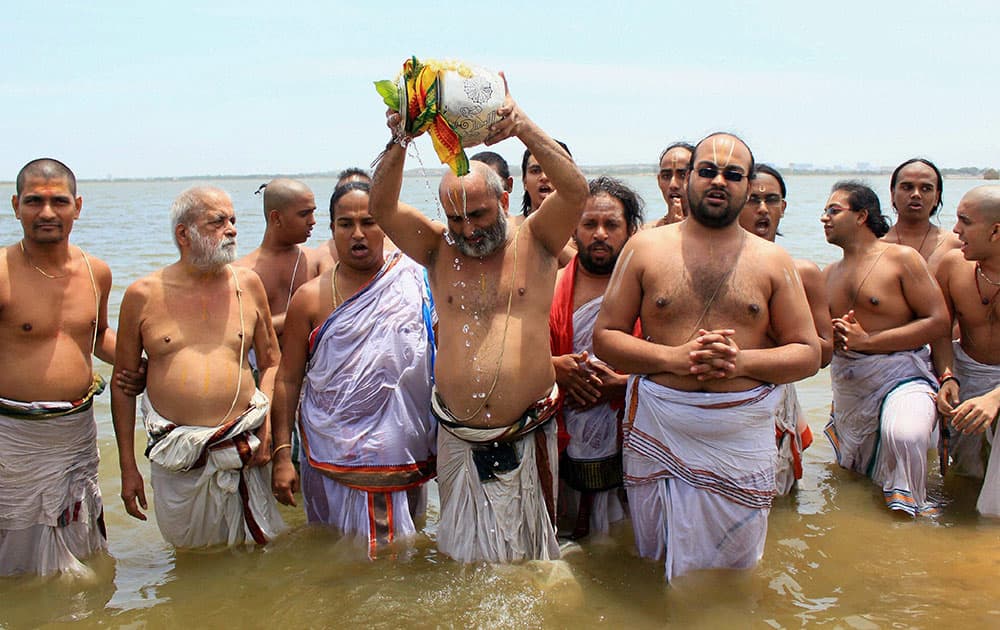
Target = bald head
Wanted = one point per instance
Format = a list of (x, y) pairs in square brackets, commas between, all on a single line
[(480, 174), (986, 199), (280, 193), (45, 168)]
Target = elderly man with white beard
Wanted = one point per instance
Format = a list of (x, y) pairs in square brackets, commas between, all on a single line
[(207, 423)]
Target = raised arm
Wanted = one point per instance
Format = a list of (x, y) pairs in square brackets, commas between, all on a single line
[(128, 352), (554, 221), (416, 235)]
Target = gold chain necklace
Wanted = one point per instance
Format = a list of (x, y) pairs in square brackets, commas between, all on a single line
[(36, 267)]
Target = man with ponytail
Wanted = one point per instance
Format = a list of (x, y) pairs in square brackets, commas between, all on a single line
[(887, 307)]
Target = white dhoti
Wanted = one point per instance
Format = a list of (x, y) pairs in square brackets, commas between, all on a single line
[(51, 513), (699, 469), (793, 436), (368, 436), (884, 421), (591, 467), (498, 498), (204, 492), (969, 451)]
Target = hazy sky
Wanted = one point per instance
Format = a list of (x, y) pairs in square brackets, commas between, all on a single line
[(174, 88)]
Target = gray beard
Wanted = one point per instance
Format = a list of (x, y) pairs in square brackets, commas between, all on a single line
[(209, 256), (494, 237)]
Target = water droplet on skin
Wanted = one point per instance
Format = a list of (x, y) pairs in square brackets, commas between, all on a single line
[(468, 343), (465, 329)]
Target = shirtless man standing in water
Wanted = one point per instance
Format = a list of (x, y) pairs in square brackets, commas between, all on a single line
[(208, 428), (282, 263), (725, 318), (916, 186), (53, 320), (970, 367), (887, 307), (492, 286)]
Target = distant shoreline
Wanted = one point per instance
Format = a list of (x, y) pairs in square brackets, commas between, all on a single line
[(619, 170)]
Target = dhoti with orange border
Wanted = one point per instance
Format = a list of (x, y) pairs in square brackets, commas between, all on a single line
[(368, 438)]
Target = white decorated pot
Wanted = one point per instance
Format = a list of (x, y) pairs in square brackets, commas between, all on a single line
[(469, 104)]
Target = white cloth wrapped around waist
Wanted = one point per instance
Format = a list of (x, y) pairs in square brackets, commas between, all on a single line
[(46, 466), (719, 442), (976, 379), (593, 432), (51, 512), (199, 477), (860, 384), (367, 387)]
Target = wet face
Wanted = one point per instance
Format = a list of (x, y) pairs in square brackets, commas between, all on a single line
[(46, 209), (357, 237), (672, 180), (213, 235), (536, 183), (916, 193), (477, 220), (601, 234), (297, 218), (764, 208), (714, 196), (980, 237), (839, 221)]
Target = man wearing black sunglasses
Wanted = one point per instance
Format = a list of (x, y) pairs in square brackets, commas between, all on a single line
[(726, 319)]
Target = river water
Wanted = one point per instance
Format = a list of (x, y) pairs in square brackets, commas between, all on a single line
[(835, 555)]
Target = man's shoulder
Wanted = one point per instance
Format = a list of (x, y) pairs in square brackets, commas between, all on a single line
[(901, 255), (249, 260), (99, 266), (953, 262)]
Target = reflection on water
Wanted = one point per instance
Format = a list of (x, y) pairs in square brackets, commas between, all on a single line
[(834, 553)]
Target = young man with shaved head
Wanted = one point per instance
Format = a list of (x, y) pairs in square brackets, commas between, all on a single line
[(494, 382), (281, 261), (969, 368), (724, 320), (53, 320)]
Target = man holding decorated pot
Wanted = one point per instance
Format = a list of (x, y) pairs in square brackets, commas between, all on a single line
[(494, 383)]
